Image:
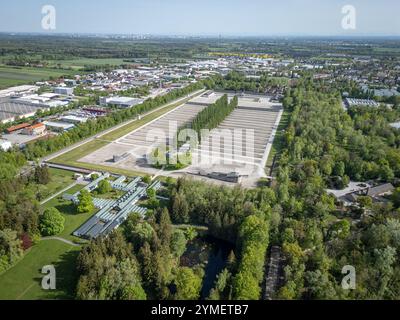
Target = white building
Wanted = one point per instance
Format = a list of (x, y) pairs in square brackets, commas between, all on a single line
[(19, 90), (121, 102), (395, 125), (5, 145), (64, 91), (74, 119), (58, 126), (349, 102)]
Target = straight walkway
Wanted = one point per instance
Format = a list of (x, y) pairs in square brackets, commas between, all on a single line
[(60, 192)]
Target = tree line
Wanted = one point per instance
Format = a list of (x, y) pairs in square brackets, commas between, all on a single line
[(212, 116)]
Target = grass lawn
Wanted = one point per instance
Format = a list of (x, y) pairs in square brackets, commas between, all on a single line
[(13, 76), (59, 180), (73, 220), (80, 63), (23, 281), (124, 130), (77, 153), (278, 143)]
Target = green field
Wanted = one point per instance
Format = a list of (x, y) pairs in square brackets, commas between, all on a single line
[(73, 220), (80, 63), (278, 143), (13, 76), (60, 179), (23, 281)]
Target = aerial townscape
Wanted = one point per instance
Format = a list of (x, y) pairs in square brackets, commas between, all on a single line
[(143, 166)]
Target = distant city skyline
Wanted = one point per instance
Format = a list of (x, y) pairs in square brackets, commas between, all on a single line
[(204, 18)]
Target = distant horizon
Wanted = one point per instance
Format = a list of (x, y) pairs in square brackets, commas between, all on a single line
[(228, 18), (199, 35)]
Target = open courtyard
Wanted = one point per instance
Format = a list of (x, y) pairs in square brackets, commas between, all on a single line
[(241, 144)]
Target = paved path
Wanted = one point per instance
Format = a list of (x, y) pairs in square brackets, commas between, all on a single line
[(273, 271), (60, 192), (62, 240)]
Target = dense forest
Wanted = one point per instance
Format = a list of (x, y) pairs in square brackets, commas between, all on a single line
[(318, 238), (143, 260), (323, 137), (236, 81)]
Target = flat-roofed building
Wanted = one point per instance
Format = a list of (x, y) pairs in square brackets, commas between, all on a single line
[(18, 90), (349, 102), (121, 102), (96, 110), (74, 119), (64, 90), (58, 126)]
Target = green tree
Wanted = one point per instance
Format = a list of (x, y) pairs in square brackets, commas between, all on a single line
[(365, 201), (85, 202), (178, 243), (42, 175), (220, 285), (396, 198), (188, 284), (104, 187), (147, 179), (10, 249), (339, 168), (180, 209), (319, 286), (51, 222), (190, 233), (109, 271)]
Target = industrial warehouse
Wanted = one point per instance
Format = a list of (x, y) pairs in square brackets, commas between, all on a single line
[(112, 212)]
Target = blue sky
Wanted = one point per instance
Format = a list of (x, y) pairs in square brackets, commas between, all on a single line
[(204, 17)]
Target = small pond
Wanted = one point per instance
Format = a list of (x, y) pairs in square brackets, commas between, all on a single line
[(211, 254)]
